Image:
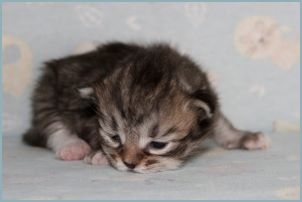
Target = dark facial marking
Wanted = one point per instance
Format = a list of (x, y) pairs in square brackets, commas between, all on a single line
[(154, 130), (100, 115), (116, 91), (139, 119), (150, 162), (169, 131), (178, 151), (113, 124), (113, 156)]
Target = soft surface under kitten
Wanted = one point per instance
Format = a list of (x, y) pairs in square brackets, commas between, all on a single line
[(142, 108)]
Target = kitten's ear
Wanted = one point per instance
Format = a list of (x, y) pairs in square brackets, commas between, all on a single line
[(203, 108), (205, 101), (86, 92)]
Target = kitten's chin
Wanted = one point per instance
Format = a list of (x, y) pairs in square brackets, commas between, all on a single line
[(147, 165), (163, 165)]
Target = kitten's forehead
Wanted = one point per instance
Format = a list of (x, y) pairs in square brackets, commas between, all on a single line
[(134, 91)]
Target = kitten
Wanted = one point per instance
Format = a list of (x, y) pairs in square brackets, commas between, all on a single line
[(146, 108)]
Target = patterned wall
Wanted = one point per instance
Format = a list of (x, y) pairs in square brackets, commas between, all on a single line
[(250, 50)]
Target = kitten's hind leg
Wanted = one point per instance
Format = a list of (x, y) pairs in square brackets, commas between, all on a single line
[(227, 136), (66, 145)]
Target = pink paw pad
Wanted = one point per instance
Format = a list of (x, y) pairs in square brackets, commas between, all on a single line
[(73, 151), (255, 141), (97, 158)]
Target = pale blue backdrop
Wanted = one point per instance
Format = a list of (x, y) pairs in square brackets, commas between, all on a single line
[(251, 52)]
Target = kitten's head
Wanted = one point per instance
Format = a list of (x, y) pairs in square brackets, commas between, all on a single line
[(153, 111)]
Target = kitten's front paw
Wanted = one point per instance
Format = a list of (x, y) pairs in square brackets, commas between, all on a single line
[(254, 141), (96, 158), (73, 151)]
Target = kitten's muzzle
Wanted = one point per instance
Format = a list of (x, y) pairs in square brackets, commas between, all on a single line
[(131, 156), (130, 165)]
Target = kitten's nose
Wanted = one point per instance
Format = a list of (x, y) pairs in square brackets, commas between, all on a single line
[(130, 165)]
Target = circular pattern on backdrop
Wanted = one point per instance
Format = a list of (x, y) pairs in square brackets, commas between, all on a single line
[(259, 37), (17, 69)]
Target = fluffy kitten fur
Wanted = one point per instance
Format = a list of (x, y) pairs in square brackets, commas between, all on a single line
[(146, 108)]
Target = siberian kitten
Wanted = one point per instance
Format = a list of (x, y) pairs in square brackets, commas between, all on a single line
[(143, 108)]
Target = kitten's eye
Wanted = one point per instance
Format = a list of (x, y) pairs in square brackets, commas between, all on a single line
[(157, 145), (116, 138)]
